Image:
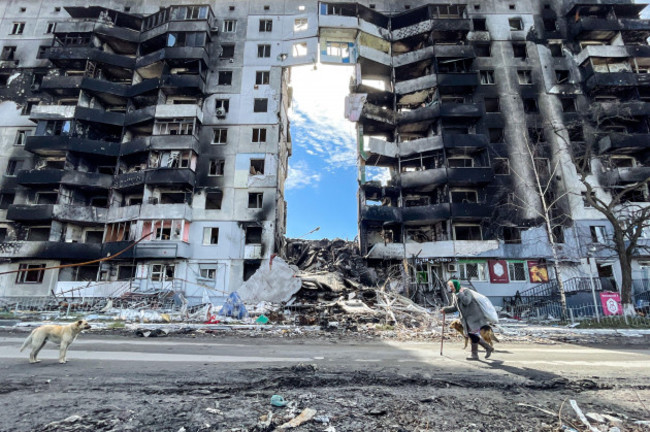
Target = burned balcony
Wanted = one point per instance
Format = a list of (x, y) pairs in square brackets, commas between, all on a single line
[(624, 143), (419, 120), (61, 112), (458, 82), (79, 179), (429, 179), (160, 142), (45, 145), (470, 211), (625, 175), (447, 22), (380, 213), (162, 176), (62, 86), (60, 212), (634, 30), (426, 214), (75, 57), (173, 53), (55, 250)]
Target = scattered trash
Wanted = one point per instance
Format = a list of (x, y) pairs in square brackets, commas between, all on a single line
[(278, 401), (262, 319), (306, 415), (234, 307), (581, 416), (151, 333)]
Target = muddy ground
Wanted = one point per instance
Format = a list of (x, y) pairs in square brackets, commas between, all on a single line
[(346, 398)]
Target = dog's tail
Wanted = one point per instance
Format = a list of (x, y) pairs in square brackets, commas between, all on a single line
[(496, 339), (27, 342)]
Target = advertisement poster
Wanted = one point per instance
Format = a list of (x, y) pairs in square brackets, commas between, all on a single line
[(611, 303), (498, 271), (538, 273)]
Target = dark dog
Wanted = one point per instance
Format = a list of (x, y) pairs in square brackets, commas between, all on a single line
[(486, 333)]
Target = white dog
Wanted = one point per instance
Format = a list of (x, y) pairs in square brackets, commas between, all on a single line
[(63, 335)]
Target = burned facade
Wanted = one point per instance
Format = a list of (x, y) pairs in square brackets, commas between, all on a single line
[(168, 124)]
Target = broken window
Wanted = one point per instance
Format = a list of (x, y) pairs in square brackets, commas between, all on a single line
[(30, 273), (260, 105), (561, 76), (576, 134), (517, 271), (467, 232), (253, 235), (501, 166), (536, 135), (257, 167), (483, 49), (524, 77), (38, 234), (511, 235), (182, 126), (255, 200), (487, 76), (299, 49), (227, 51), (125, 272), (3, 235), (121, 231), (598, 234), (263, 51), (222, 104), (162, 272), (495, 135), (219, 136), (229, 26), (262, 77), (300, 24), (213, 200), (550, 25), (21, 136), (543, 167), (27, 108), (40, 54), (491, 104), (266, 25), (250, 267), (558, 234), (568, 104), (479, 24), (186, 39), (208, 273), (17, 28), (259, 135), (225, 78), (8, 53), (464, 196), (217, 167), (14, 166), (530, 105), (519, 50), (337, 49), (6, 199), (556, 49), (167, 229), (472, 271), (515, 24), (210, 236), (460, 162)]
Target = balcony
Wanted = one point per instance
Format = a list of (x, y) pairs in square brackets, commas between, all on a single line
[(52, 250), (61, 212), (611, 81), (160, 142), (58, 145), (470, 211), (429, 214), (592, 28), (624, 143), (470, 141), (161, 176), (173, 53), (620, 176), (70, 86), (76, 56), (458, 27), (413, 56), (381, 213), (465, 81), (416, 84), (78, 179), (428, 180)]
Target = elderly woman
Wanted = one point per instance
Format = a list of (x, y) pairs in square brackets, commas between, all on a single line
[(471, 315)]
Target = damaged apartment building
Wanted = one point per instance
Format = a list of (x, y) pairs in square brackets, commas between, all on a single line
[(166, 124)]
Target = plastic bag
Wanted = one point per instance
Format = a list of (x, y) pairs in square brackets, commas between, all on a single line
[(486, 306)]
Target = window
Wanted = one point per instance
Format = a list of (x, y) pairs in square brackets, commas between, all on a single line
[(266, 25), (38, 234), (231, 8), (21, 136), (300, 24), (224, 104), (515, 24), (4, 79), (487, 76), (517, 271), (495, 135), (598, 234), (460, 162), (257, 167), (196, 12), (227, 51), (491, 105), (162, 272), (585, 200), (57, 9), (259, 135), (17, 28), (220, 136), (511, 235), (8, 53), (30, 273), (217, 167), (255, 200), (550, 25), (250, 267), (479, 24), (556, 49), (210, 236), (543, 167), (3, 235), (14, 166), (338, 49), (27, 108), (471, 271), (260, 105), (568, 104), (524, 77), (174, 127), (483, 49), (6, 199), (213, 200), (467, 232), (262, 77), (557, 232), (530, 105), (501, 166), (229, 26), (562, 76), (225, 78), (253, 235), (299, 49), (186, 39), (519, 50), (125, 272), (464, 196), (50, 28), (263, 51), (208, 273), (576, 134), (40, 54)]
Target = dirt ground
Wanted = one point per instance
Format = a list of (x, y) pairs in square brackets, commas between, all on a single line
[(345, 398)]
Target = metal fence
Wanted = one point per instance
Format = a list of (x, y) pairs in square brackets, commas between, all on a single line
[(585, 313)]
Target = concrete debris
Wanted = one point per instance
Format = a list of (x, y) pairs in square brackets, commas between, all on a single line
[(275, 283), (306, 415)]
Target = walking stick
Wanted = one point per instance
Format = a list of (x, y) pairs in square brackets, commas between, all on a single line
[(442, 332)]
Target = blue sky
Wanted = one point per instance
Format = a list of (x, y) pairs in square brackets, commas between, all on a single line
[(322, 184)]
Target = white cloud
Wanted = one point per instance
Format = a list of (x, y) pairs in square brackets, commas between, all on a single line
[(319, 102), (300, 176)]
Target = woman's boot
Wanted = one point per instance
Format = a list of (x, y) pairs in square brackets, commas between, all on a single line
[(474, 355)]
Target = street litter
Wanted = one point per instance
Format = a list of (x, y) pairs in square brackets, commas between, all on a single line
[(306, 415), (278, 401)]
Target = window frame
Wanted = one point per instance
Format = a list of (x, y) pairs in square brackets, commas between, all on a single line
[(22, 277)]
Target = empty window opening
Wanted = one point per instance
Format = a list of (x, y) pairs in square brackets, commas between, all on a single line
[(300, 24), (260, 105), (479, 24), (250, 267), (257, 167), (219, 136), (266, 25), (483, 49), (162, 272), (217, 167), (524, 77), (255, 200), (562, 76), (495, 135), (556, 49), (227, 51), (492, 105), (501, 166), (487, 76), (519, 50), (467, 232), (253, 235), (568, 104), (30, 273), (213, 200), (210, 236), (515, 24), (262, 77), (530, 105), (225, 78), (259, 135)]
